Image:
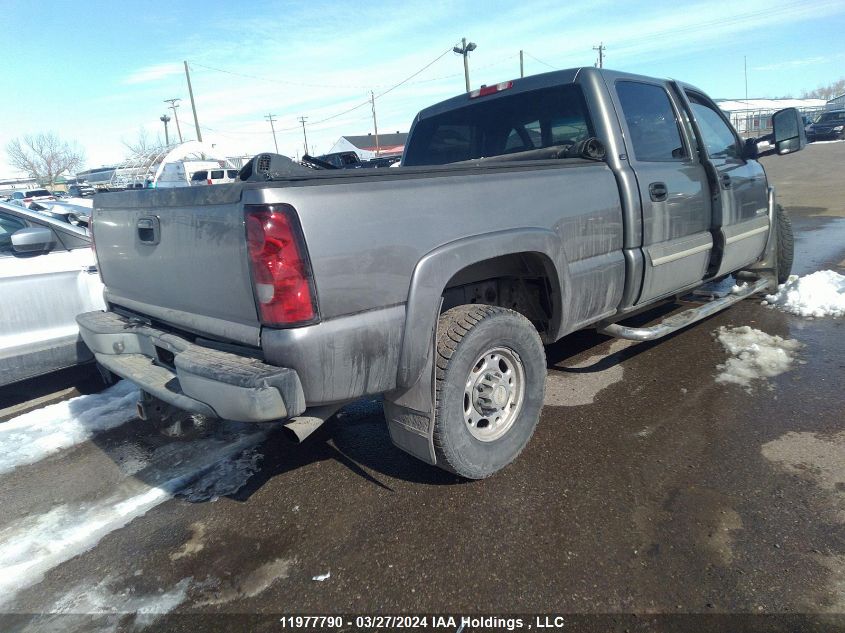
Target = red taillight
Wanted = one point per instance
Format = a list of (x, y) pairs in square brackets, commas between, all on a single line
[(489, 90), (281, 272), (208, 181)]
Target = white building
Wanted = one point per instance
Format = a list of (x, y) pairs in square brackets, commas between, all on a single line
[(752, 117), (837, 103), (366, 146)]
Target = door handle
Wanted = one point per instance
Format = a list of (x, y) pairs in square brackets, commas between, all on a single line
[(148, 230), (726, 181), (658, 192)]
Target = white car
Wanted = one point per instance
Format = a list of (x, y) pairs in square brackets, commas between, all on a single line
[(48, 275), (214, 176)]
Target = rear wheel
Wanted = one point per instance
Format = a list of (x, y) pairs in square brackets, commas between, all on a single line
[(785, 245), (490, 382)]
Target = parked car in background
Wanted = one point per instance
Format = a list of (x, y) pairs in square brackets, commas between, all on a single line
[(342, 160), (214, 176), (48, 275), (33, 195), (81, 191), (382, 161), (828, 126), (75, 211)]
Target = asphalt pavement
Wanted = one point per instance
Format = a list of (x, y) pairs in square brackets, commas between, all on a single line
[(648, 488)]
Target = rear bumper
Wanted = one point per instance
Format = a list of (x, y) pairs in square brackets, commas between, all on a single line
[(189, 376)]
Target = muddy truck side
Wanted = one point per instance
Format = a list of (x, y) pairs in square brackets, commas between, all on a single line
[(522, 212)]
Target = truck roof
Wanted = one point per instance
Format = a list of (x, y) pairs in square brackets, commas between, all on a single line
[(534, 82)]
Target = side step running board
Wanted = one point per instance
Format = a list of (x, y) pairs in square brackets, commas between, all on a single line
[(682, 319)]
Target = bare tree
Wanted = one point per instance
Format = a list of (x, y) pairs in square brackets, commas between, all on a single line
[(44, 156), (144, 144), (826, 92)]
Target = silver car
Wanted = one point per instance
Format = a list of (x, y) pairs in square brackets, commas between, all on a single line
[(48, 275)]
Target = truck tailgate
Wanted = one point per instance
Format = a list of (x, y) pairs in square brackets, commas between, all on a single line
[(179, 256)]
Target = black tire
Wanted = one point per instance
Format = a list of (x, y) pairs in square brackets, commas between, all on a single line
[(466, 336), (785, 245)]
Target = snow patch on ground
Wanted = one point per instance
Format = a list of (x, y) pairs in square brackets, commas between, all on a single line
[(86, 608), (100, 599), (32, 546), (819, 294), (33, 436), (755, 355)]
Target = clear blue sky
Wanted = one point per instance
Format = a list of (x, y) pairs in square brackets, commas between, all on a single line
[(97, 72)]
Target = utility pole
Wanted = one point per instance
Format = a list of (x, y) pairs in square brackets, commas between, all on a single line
[(302, 120), (601, 48), (270, 118), (375, 124), (745, 67), (465, 51), (193, 105), (165, 119), (173, 106), (521, 66)]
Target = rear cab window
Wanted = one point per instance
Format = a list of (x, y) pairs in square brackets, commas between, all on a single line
[(507, 124), (654, 131), (200, 175)]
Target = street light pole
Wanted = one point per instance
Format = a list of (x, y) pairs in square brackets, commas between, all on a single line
[(173, 106), (165, 119), (464, 50)]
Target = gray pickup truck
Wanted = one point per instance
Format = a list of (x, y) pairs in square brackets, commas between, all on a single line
[(522, 212)]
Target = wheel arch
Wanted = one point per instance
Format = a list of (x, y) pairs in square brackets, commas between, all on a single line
[(442, 266)]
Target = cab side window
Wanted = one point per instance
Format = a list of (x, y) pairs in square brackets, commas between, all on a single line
[(8, 225), (718, 137), (655, 133)]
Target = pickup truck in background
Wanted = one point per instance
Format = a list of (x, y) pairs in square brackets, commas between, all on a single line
[(522, 212)]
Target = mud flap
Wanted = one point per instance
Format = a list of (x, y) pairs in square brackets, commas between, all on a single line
[(410, 412)]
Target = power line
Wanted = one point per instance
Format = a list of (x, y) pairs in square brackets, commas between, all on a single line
[(541, 61)]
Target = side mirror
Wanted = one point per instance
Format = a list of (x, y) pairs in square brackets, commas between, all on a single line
[(33, 240), (788, 131)]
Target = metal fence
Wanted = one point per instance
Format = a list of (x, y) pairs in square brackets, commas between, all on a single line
[(758, 122)]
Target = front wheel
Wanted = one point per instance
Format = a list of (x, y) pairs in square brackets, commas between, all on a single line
[(785, 245), (490, 383)]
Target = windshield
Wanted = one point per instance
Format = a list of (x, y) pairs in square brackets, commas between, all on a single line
[(831, 117), (503, 125)]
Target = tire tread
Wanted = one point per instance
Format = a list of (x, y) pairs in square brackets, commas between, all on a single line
[(453, 326)]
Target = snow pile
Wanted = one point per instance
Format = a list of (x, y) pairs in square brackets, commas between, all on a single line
[(33, 436), (755, 355), (819, 294)]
